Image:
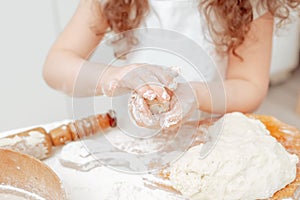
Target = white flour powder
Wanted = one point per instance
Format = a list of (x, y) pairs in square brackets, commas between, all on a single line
[(129, 191), (246, 162), (33, 144), (8, 192)]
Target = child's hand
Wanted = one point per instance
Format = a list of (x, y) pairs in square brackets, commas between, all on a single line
[(142, 78), (146, 108), (182, 106), (164, 113)]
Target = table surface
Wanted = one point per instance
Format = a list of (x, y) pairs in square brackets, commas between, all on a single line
[(100, 182)]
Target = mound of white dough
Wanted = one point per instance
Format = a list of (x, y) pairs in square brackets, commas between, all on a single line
[(246, 163)]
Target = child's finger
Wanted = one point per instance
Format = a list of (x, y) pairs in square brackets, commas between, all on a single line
[(151, 92), (114, 88), (162, 94), (172, 117), (140, 112), (167, 77), (147, 92), (132, 82)]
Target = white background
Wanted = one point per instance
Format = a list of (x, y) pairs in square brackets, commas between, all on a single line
[(28, 28)]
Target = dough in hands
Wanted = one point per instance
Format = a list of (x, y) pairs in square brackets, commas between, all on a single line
[(158, 107), (147, 110)]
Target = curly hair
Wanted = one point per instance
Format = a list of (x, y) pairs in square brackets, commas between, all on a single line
[(233, 17)]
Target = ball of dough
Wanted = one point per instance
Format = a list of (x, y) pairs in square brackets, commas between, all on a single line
[(245, 163), (146, 110)]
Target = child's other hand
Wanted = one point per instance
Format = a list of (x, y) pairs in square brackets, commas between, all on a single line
[(145, 79)]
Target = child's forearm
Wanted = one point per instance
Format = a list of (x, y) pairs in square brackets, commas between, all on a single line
[(70, 73), (229, 96), (67, 58), (73, 75)]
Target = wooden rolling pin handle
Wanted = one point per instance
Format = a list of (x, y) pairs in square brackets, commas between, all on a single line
[(82, 128), (60, 135), (112, 118)]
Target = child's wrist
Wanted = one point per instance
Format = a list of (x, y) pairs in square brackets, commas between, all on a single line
[(107, 77), (110, 77)]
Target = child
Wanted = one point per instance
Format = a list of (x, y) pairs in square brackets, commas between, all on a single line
[(243, 27)]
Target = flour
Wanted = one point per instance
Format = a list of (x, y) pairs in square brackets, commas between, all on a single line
[(8, 192), (107, 184), (76, 156), (246, 163), (129, 191), (147, 109), (33, 144), (140, 112), (150, 95), (90, 153)]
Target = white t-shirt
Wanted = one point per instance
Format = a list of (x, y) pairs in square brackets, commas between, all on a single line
[(175, 33)]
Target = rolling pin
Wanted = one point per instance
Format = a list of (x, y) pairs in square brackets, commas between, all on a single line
[(38, 143)]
